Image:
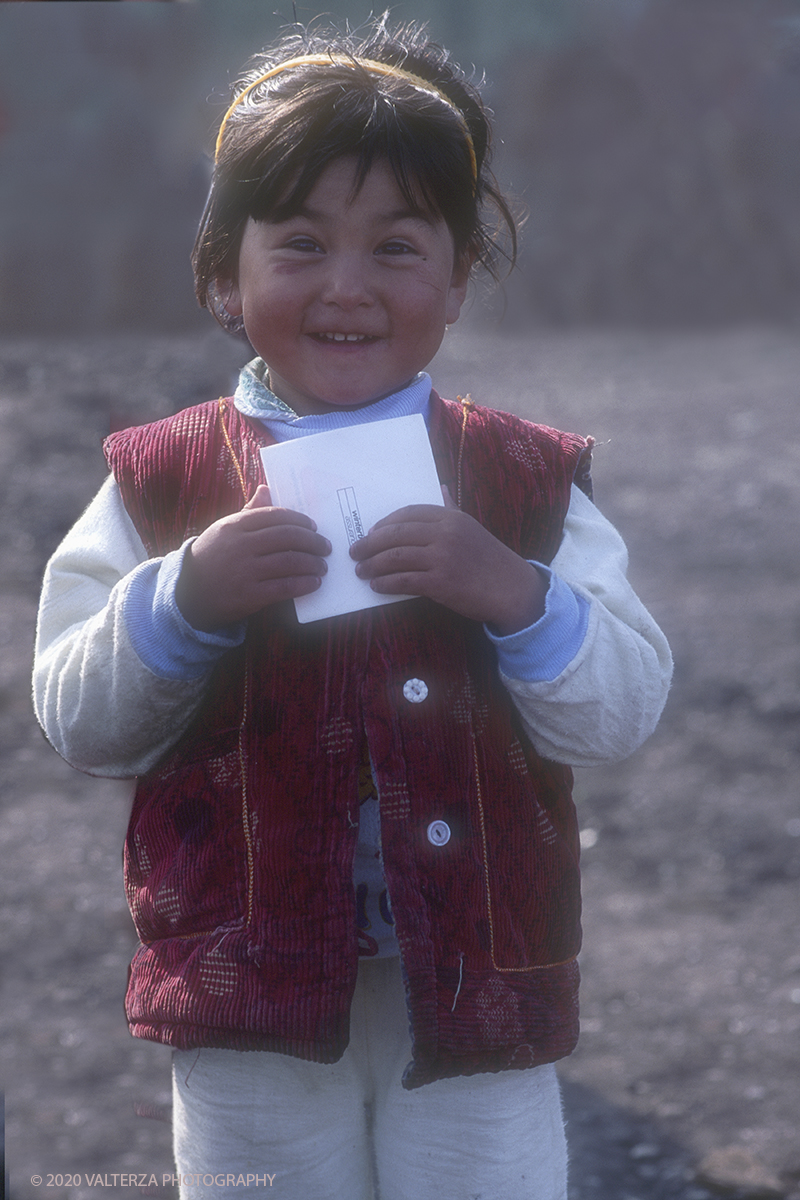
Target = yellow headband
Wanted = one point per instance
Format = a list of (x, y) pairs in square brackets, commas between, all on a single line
[(368, 64)]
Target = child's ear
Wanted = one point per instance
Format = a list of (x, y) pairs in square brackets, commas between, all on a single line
[(229, 296), (459, 283)]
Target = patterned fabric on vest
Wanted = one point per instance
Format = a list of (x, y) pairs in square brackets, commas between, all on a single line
[(240, 848)]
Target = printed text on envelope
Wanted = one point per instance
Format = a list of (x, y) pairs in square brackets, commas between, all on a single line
[(354, 527)]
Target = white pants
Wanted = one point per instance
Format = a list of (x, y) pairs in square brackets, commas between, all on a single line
[(349, 1131)]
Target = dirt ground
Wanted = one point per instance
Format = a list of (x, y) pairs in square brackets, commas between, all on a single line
[(685, 1084)]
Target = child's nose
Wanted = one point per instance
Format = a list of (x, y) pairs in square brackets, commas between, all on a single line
[(346, 282)]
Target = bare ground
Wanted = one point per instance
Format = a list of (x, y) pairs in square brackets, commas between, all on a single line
[(685, 1083)]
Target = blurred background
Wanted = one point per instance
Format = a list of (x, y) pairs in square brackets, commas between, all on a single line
[(654, 142)]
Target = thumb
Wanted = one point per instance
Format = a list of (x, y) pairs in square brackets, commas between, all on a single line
[(449, 502), (260, 498)]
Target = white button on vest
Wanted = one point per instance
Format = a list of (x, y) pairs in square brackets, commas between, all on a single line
[(415, 690), (438, 833)]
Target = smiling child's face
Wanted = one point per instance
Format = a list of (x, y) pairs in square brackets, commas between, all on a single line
[(347, 300)]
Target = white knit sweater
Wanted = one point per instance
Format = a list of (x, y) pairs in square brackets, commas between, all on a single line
[(108, 713)]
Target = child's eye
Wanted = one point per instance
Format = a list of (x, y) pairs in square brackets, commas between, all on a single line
[(306, 245), (396, 249)]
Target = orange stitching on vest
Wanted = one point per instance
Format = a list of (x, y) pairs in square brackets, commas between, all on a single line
[(248, 836), (497, 967), (229, 444), (467, 404)]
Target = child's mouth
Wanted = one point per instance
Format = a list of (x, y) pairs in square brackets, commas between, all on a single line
[(339, 338)]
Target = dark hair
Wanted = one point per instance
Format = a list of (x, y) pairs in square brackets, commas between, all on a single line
[(284, 133)]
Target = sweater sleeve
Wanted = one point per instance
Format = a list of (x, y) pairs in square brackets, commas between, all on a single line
[(606, 700), (103, 708)]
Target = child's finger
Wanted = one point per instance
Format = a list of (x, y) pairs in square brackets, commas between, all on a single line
[(406, 584), (266, 517), (412, 526), (269, 540), (397, 562), (412, 512), (261, 498), (288, 564)]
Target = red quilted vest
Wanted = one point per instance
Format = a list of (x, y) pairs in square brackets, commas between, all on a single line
[(239, 855)]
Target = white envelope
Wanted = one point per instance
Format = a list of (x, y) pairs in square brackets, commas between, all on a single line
[(346, 480)]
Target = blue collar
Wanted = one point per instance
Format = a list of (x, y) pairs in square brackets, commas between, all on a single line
[(253, 398)]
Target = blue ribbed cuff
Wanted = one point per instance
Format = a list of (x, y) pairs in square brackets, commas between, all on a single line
[(541, 652), (167, 645)]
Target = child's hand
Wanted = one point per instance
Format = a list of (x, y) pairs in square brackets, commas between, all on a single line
[(446, 555), (249, 560)]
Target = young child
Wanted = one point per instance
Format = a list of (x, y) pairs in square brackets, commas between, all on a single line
[(353, 852)]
